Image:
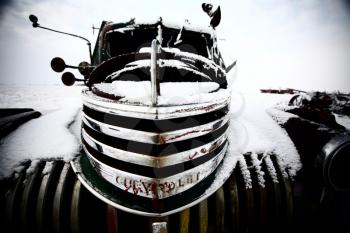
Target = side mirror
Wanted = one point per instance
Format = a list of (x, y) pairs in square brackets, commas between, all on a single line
[(216, 18), (57, 64), (34, 20), (215, 15), (35, 23), (84, 68), (68, 78)]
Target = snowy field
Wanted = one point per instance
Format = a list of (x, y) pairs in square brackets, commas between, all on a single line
[(55, 135)]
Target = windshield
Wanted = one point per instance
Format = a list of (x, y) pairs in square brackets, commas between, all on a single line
[(123, 41)]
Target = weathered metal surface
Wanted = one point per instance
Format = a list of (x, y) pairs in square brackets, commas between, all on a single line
[(154, 138), (156, 188), (155, 125), (153, 161), (107, 193), (147, 112)]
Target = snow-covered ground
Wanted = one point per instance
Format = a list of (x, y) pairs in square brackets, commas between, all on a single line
[(53, 135), (56, 133)]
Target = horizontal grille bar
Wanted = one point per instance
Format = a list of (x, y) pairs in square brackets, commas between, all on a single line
[(155, 138), (156, 126), (154, 113), (156, 188), (153, 161), (152, 172), (154, 149)]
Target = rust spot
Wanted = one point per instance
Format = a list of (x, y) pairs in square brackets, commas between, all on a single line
[(181, 135), (193, 155), (207, 108), (154, 188), (161, 140), (167, 187), (187, 133), (214, 146)]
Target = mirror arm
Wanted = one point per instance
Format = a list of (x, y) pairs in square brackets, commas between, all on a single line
[(69, 34)]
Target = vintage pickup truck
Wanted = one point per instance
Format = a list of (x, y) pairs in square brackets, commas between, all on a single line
[(155, 142)]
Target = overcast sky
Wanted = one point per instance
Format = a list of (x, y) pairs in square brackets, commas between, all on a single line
[(302, 44)]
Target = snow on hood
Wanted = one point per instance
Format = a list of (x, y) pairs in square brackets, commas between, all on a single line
[(171, 93), (146, 63), (193, 56), (177, 24)]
